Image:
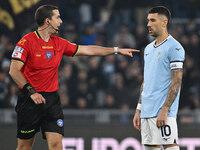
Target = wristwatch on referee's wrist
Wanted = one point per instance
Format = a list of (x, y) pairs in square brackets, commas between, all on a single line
[(116, 50)]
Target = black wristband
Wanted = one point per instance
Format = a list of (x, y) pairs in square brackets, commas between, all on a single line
[(28, 89)]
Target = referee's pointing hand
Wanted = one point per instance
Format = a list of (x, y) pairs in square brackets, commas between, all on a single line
[(127, 52)]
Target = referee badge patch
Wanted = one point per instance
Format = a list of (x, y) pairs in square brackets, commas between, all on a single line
[(60, 122), (48, 55)]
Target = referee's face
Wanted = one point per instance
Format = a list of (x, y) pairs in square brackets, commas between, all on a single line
[(56, 21), (154, 24)]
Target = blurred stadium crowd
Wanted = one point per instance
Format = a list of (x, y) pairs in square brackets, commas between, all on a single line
[(113, 81)]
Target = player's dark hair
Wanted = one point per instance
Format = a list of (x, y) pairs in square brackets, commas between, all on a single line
[(43, 12), (161, 10)]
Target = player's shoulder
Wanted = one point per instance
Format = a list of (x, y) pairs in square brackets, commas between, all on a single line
[(62, 40), (27, 38), (150, 45), (173, 43)]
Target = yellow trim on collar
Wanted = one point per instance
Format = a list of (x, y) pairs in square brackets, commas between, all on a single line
[(37, 34)]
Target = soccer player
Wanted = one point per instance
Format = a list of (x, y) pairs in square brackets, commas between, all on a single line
[(157, 108), (34, 67)]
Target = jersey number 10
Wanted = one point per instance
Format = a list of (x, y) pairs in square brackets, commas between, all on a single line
[(165, 130)]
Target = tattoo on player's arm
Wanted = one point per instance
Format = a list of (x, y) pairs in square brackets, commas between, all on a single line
[(141, 89), (175, 85)]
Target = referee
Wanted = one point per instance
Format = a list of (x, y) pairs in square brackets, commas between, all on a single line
[(34, 68)]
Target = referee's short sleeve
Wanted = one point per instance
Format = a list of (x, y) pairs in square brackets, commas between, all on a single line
[(20, 52), (69, 49)]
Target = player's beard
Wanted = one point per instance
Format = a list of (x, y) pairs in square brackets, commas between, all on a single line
[(154, 33)]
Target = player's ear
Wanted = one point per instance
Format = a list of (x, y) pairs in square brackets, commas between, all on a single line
[(165, 22)]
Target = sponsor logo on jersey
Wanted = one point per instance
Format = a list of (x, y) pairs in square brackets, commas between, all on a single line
[(38, 55), (48, 55), (166, 138), (60, 122), (47, 47), (17, 53)]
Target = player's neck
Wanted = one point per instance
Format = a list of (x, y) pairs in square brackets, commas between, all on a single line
[(44, 34), (161, 38)]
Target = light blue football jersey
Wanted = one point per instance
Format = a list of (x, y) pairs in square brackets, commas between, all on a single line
[(158, 63)]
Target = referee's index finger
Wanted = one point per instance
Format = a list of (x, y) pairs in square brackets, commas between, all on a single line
[(135, 50)]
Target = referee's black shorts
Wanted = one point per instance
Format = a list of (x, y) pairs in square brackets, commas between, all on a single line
[(31, 117)]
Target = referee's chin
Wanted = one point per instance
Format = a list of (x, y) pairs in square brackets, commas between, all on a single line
[(55, 32)]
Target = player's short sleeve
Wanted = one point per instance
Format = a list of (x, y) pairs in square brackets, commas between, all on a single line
[(20, 52), (176, 57), (70, 49)]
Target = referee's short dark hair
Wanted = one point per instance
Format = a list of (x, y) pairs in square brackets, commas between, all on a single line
[(43, 12), (161, 10)]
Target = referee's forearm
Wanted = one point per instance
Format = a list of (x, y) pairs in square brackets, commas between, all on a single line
[(18, 77), (95, 50)]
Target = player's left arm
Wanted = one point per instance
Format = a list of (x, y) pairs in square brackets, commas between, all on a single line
[(176, 76), (176, 57)]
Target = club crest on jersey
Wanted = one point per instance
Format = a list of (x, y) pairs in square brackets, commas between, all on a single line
[(60, 122), (159, 53), (48, 55)]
